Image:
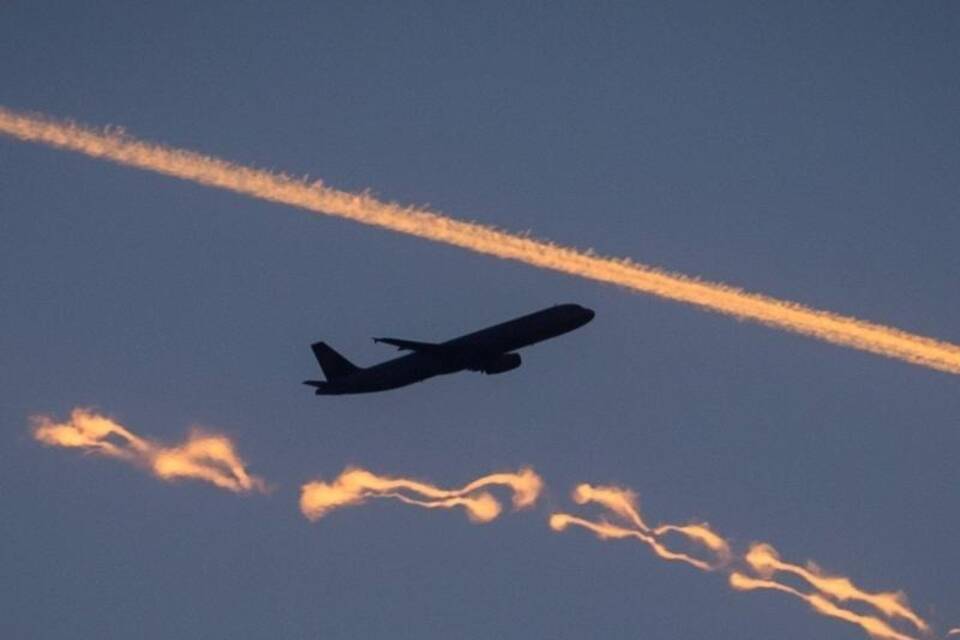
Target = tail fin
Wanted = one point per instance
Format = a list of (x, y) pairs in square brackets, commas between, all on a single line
[(333, 364)]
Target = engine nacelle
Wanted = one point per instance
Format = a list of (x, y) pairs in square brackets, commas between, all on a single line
[(505, 362)]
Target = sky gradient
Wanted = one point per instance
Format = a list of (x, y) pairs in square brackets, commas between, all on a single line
[(808, 153)]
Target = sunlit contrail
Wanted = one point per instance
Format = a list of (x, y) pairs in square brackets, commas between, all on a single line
[(622, 503), (875, 627), (766, 562), (187, 165), (354, 486), (203, 456), (761, 559)]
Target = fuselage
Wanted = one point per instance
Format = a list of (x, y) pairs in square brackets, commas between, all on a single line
[(470, 351)]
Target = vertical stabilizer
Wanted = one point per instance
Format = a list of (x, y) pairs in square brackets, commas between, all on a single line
[(333, 364)]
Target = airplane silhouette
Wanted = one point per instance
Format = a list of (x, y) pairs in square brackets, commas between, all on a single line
[(489, 350)]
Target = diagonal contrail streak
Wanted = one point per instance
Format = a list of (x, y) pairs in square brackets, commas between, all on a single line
[(315, 197), (874, 626), (881, 611)]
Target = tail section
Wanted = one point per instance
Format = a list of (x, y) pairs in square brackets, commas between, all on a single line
[(333, 364), (320, 387)]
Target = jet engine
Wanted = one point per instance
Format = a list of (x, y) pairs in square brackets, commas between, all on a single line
[(501, 364)]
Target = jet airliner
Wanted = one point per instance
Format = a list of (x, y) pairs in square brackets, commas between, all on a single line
[(490, 351)]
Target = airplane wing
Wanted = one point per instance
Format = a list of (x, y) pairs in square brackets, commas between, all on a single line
[(413, 345)]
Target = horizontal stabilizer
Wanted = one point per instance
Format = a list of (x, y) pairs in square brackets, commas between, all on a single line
[(412, 345)]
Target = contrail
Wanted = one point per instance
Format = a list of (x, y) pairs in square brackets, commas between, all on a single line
[(187, 165), (622, 503), (765, 561), (213, 459), (354, 486), (875, 627), (203, 456), (761, 560)]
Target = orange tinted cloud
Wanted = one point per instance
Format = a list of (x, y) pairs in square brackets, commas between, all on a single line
[(203, 456), (355, 486), (623, 504), (765, 561), (623, 521), (364, 208), (874, 626)]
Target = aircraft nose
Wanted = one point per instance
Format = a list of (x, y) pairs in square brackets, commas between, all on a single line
[(588, 314)]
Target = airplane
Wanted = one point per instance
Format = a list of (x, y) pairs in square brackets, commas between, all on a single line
[(489, 350)]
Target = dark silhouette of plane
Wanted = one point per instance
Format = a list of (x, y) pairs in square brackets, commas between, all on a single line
[(489, 350)]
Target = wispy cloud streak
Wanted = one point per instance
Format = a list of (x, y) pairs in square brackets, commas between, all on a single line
[(622, 504), (875, 627), (355, 486), (766, 562), (203, 456), (706, 550), (316, 197)]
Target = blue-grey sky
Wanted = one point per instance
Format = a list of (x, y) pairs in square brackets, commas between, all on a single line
[(804, 150)]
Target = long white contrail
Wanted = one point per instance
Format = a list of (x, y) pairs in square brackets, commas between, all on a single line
[(315, 197)]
